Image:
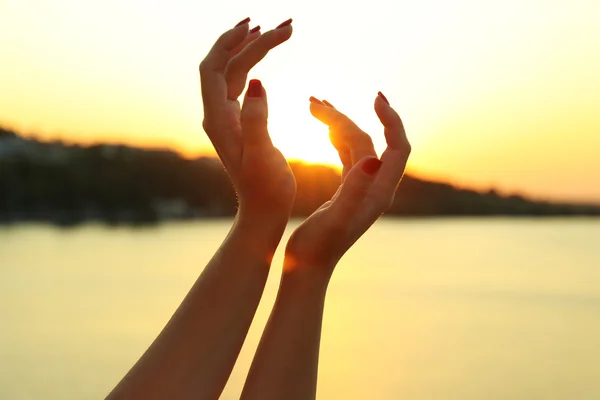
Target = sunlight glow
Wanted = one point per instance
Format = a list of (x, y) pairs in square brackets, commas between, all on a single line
[(491, 94)]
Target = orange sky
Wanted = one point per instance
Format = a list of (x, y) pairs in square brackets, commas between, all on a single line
[(503, 94)]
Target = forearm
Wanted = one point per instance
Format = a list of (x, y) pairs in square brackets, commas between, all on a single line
[(196, 351), (286, 363)]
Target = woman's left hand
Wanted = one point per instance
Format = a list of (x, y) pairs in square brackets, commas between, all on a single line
[(262, 177)]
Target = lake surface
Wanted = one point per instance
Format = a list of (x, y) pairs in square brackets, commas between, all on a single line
[(418, 309)]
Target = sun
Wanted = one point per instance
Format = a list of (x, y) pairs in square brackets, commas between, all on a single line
[(300, 137)]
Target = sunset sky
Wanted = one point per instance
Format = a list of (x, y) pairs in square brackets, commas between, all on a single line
[(492, 94)]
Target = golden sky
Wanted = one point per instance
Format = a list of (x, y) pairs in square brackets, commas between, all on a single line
[(503, 94)]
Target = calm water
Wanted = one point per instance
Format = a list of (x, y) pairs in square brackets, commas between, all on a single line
[(421, 309)]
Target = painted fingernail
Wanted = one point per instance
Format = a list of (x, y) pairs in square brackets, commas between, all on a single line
[(383, 97), (328, 104), (315, 100), (254, 88), (242, 22), (371, 166), (255, 29), (285, 23)]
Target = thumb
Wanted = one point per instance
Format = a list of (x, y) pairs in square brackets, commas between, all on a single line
[(356, 185), (254, 115)]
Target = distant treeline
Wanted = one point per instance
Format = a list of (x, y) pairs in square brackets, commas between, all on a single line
[(67, 184)]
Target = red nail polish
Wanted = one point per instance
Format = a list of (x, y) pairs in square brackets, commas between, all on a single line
[(285, 23), (384, 98), (254, 88), (371, 166), (315, 100), (255, 29), (242, 22)]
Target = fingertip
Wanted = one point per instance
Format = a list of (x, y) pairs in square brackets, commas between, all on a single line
[(285, 24), (313, 107), (284, 33), (381, 103), (234, 37), (317, 109), (274, 37), (315, 100), (255, 89), (382, 96), (385, 112), (242, 22), (284, 29), (371, 165)]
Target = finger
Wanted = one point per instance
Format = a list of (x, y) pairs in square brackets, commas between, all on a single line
[(238, 67), (343, 152), (346, 160), (253, 34), (313, 99), (212, 69), (328, 104), (254, 116), (395, 135), (330, 116), (394, 158), (342, 130), (356, 186)]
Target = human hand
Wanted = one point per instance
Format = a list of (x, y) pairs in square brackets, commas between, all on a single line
[(260, 174), (367, 189)]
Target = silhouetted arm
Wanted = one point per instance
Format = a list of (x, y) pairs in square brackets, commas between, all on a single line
[(193, 356), (195, 353), (286, 363)]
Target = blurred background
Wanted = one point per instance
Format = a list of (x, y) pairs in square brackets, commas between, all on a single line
[(483, 279)]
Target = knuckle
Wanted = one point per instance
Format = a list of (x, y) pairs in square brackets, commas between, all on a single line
[(365, 139), (207, 126), (345, 124), (203, 67), (254, 113), (397, 121), (232, 66)]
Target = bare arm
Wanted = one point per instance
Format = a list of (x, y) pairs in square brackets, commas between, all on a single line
[(286, 363), (194, 354)]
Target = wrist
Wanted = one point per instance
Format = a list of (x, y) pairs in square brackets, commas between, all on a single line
[(305, 276), (261, 234), (263, 223)]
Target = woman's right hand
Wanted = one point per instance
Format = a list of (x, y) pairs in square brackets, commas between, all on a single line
[(286, 362), (367, 189), (262, 177)]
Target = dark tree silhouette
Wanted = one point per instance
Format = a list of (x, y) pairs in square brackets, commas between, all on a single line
[(66, 184)]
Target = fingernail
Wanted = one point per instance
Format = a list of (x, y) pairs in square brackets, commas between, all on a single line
[(371, 166), (254, 88), (383, 97), (255, 29), (285, 23), (242, 22), (315, 100), (328, 104)]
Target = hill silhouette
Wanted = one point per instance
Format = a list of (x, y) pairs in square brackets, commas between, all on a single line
[(67, 184)]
